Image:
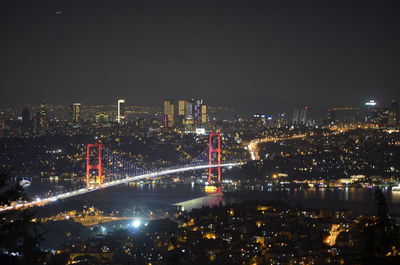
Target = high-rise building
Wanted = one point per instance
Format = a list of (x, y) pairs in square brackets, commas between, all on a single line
[(343, 115), (26, 118), (381, 117), (370, 111), (189, 118), (300, 116), (197, 108), (41, 118), (203, 114), (169, 112), (182, 107), (189, 112), (330, 116), (192, 111), (76, 112), (182, 111), (281, 120), (394, 113), (296, 115), (121, 110)]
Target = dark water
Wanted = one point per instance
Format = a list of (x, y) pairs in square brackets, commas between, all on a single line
[(359, 200)]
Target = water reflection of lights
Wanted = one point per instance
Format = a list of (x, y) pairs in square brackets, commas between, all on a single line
[(395, 196)]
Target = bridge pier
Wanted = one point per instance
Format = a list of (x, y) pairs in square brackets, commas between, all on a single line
[(212, 152), (98, 166)]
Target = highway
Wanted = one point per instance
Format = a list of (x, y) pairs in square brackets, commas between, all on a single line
[(43, 201), (252, 146)]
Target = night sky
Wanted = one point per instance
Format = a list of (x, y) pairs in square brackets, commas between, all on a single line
[(255, 56)]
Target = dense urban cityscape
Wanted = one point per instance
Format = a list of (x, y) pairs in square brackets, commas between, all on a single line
[(348, 151), (199, 132)]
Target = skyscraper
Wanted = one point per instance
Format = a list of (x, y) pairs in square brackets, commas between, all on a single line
[(182, 111), (300, 116), (343, 115), (189, 117), (192, 112), (370, 111), (26, 119), (76, 112), (394, 113), (41, 118), (189, 112), (121, 110), (203, 114), (169, 118), (197, 108), (182, 107)]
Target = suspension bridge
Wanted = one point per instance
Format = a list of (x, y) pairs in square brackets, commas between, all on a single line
[(119, 171)]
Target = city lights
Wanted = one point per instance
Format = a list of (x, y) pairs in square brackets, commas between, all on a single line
[(200, 132), (136, 223)]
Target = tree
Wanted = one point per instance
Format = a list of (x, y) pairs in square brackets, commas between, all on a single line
[(387, 230), (381, 236), (19, 239)]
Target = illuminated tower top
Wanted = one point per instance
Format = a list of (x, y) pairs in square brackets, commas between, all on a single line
[(121, 110)]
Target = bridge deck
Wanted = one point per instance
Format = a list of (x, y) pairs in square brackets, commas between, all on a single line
[(38, 202)]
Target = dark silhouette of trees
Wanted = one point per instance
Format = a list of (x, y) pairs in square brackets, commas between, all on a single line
[(19, 239), (381, 236)]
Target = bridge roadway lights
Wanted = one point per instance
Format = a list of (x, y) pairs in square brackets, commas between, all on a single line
[(22, 205), (211, 159), (98, 166)]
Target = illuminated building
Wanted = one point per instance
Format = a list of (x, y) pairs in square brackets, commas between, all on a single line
[(102, 118), (41, 118), (191, 112), (182, 111), (300, 116), (203, 114), (281, 120), (381, 116), (370, 111), (394, 113), (76, 112), (343, 115), (121, 110), (189, 117), (182, 107), (262, 119), (197, 107), (370, 103), (169, 118)]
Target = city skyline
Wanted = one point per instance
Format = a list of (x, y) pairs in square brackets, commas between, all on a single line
[(179, 107), (256, 56)]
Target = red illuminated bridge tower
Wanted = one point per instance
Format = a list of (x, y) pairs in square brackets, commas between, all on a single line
[(214, 156), (97, 166)]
